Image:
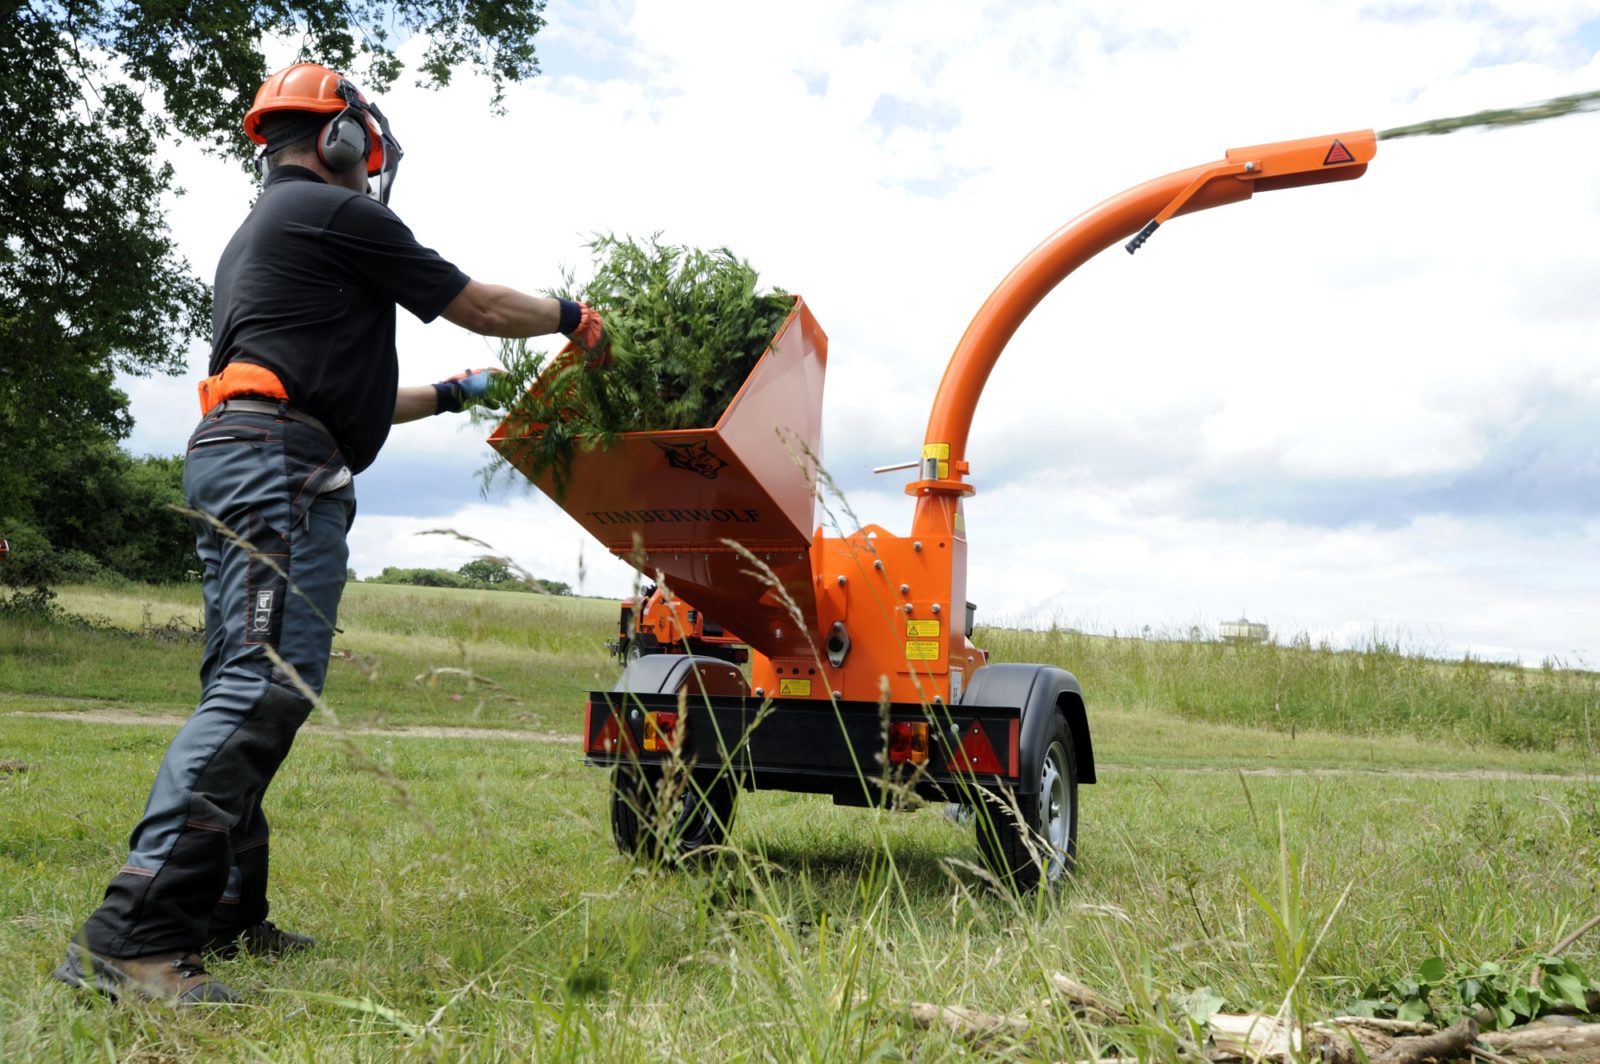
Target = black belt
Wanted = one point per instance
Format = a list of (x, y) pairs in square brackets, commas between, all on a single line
[(268, 406)]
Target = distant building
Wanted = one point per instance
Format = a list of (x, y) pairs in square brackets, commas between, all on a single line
[(1242, 631)]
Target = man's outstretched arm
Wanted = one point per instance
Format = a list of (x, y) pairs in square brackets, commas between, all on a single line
[(446, 397), (495, 310)]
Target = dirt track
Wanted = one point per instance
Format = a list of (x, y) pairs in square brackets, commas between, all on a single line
[(149, 720), (126, 717)]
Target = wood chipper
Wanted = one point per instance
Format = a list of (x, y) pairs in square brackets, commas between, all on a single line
[(655, 622), (864, 683)]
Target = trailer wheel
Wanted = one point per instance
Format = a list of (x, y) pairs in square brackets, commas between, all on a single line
[(631, 651), (1043, 846), (696, 813)]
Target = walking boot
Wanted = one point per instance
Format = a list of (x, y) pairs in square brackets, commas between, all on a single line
[(177, 978), (265, 939)]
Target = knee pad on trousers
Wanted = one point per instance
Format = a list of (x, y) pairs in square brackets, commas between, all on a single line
[(245, 763)]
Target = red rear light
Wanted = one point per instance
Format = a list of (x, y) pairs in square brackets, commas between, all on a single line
[(658, 726), (908, 741)]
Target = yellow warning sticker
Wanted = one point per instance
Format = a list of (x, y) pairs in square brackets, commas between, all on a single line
[(936, 450), (922, 650), (922, 629), (794, 688)]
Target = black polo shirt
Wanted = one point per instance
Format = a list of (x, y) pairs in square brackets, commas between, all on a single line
[(307, 288)]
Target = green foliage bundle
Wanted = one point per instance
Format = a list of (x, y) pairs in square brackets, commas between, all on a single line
[(1500, 996), (684, 326)]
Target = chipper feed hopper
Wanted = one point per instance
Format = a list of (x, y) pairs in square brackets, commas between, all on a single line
[(864, 683)]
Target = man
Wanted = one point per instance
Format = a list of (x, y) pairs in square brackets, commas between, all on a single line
[(302, 393)]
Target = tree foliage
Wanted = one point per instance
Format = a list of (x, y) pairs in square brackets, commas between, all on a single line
[(477, 575), (91, 281), (94, 512)]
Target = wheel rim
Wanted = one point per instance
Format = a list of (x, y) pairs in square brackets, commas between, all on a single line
[(1055, 800)]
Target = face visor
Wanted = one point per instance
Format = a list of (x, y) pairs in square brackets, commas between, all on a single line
[(383, 150), (383, 162)]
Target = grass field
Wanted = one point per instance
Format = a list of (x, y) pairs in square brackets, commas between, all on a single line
[(470, 904)]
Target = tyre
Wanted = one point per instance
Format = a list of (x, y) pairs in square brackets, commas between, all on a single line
[(1041, 848), (696, 811), (633, 652)]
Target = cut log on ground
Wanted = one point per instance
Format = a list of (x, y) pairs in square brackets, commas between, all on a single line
[(1452, 1043), (1579, 1044), (1253, 1036)]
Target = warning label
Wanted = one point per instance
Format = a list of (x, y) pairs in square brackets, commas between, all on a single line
[(1338, 154), (922, 650), (794, 688), (922, 629)]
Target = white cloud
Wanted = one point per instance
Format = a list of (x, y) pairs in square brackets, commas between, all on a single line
[(1389, 328)]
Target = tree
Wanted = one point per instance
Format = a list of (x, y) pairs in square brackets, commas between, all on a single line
[(489, 571), (91, 282)]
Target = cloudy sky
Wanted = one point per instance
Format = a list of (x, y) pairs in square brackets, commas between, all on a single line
[(1362, 408)]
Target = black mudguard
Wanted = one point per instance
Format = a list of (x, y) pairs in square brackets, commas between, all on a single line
[(1038, 690), (664, 674)]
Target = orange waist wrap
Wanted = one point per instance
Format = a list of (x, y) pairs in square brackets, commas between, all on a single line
[(240, 378)]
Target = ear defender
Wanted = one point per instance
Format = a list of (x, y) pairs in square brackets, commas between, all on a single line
[(342, 143)]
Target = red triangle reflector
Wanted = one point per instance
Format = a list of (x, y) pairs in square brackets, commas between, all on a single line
[(1338, 154), (976, 753)]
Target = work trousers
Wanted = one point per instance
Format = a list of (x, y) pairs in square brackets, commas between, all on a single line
[(275, 505)]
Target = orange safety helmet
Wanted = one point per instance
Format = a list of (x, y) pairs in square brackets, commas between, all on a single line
[(356, 130)]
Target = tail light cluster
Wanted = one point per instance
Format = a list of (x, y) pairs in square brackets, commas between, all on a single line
[(613, 737), (908, 742), (658, 727)]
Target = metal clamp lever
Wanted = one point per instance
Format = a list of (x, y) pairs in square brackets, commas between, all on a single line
[(1201, 180)]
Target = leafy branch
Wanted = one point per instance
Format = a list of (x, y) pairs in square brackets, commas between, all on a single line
[(1498, 995), (684, 326)]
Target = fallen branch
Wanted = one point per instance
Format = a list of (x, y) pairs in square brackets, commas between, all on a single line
[(1451, 1043), (1561, 947), (1576, 1044), (1256, 1037), (1376, 1023), (977, 1027), (1086, 1000)]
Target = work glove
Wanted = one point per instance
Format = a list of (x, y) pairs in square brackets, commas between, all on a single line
[(454, 392), (581, 324)]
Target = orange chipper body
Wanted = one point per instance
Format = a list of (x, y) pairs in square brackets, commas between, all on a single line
[(725, 516)]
